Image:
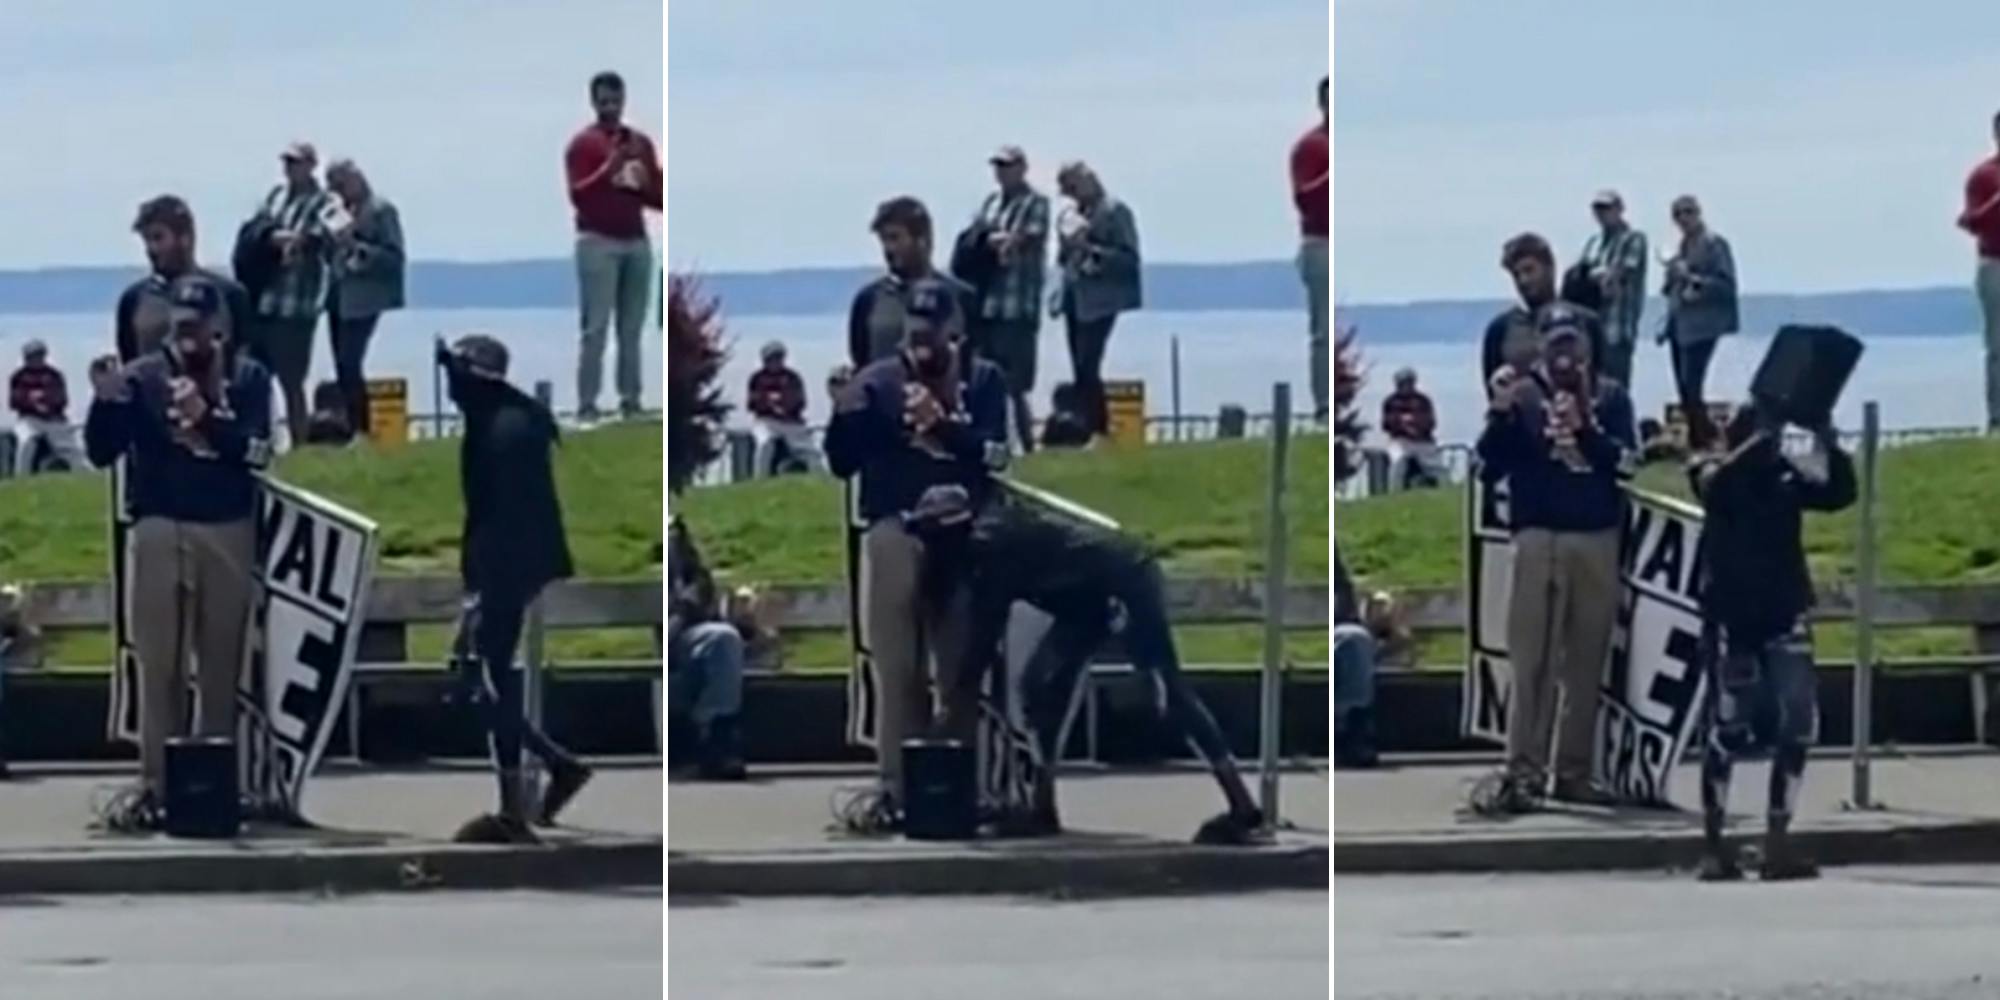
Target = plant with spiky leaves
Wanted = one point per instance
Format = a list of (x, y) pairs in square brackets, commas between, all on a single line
[(695, 354)]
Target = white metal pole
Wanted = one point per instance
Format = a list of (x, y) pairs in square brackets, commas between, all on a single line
[(1276, 546)]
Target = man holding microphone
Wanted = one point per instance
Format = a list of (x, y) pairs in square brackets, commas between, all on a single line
[(193, 418)]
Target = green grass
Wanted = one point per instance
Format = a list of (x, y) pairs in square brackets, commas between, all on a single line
[(1201, 506), (1935, 520), (53, 527)]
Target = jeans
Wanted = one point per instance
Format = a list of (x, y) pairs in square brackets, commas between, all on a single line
[(1690, 376), (1988, 285), (613, 277), (350, 349), (1760, 695), (489, 630), (1087, 341), (1313, 270), (705, 672), (1353, 670)]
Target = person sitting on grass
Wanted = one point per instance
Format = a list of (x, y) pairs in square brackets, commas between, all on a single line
[(1755, 596)]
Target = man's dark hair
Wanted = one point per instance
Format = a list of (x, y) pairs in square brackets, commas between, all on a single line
[(1524, 246), (904, 211), (606, 79), (168, 211), (1322, 91)]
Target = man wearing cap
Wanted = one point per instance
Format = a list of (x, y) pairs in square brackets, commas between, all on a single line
[(1562, 439), (165, 227), (291, 225), (614, 178), (1311, 172), (40, 400), (513, 545), (927, 415), (777, 399), (193, 420), (1410, 421), (1615, 261), (1012, 227)]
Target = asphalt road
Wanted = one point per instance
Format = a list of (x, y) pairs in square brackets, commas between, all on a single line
[(1884, 934), (1246, 947), (490, 946)]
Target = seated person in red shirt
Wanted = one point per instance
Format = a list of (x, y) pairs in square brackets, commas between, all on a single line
[(777, 399), (1411, 424), (44, 439)]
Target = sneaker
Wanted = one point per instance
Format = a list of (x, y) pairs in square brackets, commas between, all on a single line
[(1583, 793), (564, 782), (869, 812), (495, 828), (1234, 829), (588, 415), (134, 810), (1719, 867), (1503, 794), (630, 411)]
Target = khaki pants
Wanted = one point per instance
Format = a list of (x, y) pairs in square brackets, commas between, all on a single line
[(898, 618), (1559, 624), (191, 590)]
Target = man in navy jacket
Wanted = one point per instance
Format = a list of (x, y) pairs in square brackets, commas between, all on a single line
[(1562, 439), (930, 415), (192, 418)]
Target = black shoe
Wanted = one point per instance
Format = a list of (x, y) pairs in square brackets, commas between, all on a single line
[(1234, 829), (1578, 792), (721, 754), (495, 828), (565, 780), (1503, 794), (589, 415), (1719, 866), (630, 411)]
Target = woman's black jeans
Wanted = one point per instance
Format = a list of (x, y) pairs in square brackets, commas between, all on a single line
[(350, 350), (1087, 341), (1690, 380)]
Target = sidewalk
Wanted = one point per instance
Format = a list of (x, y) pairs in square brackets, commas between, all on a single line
[(376, 830), (1937, 807), (1126, 833)]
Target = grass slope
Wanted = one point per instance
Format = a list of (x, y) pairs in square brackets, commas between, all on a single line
[(1200, 505), (53, 527), (1936, 516)]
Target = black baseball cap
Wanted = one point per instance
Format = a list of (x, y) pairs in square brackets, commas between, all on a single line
[(193, 300), (482, 355)]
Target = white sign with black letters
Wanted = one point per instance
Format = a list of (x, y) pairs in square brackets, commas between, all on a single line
[(315, 565), (1650, 699)]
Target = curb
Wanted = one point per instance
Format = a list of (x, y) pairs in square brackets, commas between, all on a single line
[(1971, 842), (395, 868), (1125, 871)]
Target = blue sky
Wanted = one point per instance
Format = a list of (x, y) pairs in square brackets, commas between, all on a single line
[(793, 118), (458, 109), (1828, 139)]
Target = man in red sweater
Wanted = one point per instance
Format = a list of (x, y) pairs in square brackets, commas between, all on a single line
[(1981, 218), (1310, 190), (614, 177)]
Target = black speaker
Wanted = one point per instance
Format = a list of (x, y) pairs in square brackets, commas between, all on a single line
[(201, 793), (940, 790), (1804, 372)]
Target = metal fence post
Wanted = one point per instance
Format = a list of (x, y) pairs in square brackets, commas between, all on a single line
[(1276, 550), (1174, 358), (1864, 609)]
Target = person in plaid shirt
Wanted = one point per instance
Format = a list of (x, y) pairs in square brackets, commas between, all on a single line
[(293, 216), (1616, 257), (1014, 221)]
